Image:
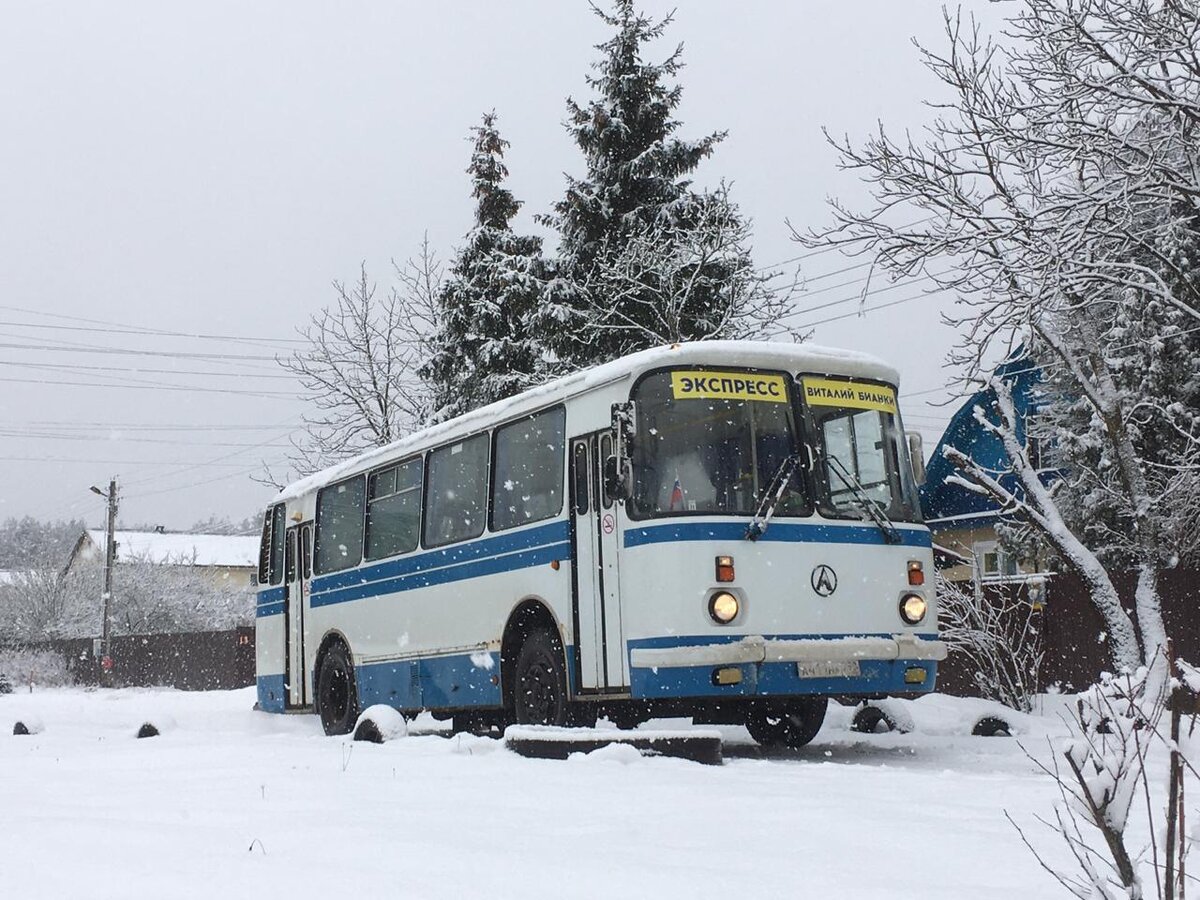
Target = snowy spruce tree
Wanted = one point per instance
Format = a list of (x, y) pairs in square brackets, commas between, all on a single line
[(644, 258), (484, 349)]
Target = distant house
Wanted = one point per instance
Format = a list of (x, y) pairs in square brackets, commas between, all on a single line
[(226, 559), (964, 522)]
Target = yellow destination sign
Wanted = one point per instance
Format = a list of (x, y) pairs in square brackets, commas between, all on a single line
[(729, 386), (834, 392)]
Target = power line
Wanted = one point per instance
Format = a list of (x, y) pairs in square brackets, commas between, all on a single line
[(290, 420), (75, 367), (64, 347), (865, 310), (831, 247), (124, 328), (184, 487), (151, 387), (114, 462), (92, 438), (135, 426)]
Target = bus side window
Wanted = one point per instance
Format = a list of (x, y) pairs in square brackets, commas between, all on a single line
[(527, 484), (456, 491), (339, 541), (579, 472), (394, 509), (290, 557), (270, 568), (606, 450)]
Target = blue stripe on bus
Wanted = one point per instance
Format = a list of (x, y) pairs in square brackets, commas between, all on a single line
[(272, 692), (509, 562), (270, 602), (552, 532), (778, 531), (780, 679)]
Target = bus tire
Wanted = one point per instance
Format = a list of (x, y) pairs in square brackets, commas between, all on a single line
[(337, 693), (794, 726), (540, 686)]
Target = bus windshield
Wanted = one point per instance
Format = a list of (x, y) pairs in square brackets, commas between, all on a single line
[(711, 441), (862, 456)]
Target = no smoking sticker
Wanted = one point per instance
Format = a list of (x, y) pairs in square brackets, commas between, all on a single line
[(608, 523)]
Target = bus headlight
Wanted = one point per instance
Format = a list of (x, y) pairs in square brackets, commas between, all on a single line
[(723, 607), (913, 608)]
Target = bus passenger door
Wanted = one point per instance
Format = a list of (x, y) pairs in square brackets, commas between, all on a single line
[(602, 661), (298, 570), (609, 524), (589, 639)]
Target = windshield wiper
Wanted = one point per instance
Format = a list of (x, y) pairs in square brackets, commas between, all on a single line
[(890, 534), (771, 497)]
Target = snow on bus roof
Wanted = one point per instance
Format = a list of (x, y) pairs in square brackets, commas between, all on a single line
[(759, 354)]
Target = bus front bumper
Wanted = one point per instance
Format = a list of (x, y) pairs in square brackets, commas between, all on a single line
[(758, 666), (815, 650)]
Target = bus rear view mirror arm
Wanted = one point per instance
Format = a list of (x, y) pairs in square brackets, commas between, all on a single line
[(618, 478)]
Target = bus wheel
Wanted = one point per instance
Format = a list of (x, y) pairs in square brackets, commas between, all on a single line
[(793, 726), (540, 686), (337, 696)]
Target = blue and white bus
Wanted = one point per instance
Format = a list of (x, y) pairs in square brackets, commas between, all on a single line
[(726, 530)]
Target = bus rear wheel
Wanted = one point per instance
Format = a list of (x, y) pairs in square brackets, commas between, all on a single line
[(337, 695), (792, 726), (540, 685)]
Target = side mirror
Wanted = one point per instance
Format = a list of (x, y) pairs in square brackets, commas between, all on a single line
[(618, 478), (253, 579), (916, 455)]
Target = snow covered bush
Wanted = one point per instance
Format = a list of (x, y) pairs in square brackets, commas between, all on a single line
[(44, 668), (996, 635), (1122, 729)]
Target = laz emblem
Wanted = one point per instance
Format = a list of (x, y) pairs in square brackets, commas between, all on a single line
[(823, 580)]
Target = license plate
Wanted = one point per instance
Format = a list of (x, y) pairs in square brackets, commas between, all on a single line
[(843, 668)]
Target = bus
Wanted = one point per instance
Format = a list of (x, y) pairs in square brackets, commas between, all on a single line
[(725, 530)]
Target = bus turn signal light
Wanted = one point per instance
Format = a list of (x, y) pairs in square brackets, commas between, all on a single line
[(724, 569), (916, 572)]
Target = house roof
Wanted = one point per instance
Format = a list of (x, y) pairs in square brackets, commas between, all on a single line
[(221, 550), (944, 502)]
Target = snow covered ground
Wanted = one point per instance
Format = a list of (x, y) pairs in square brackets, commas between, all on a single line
[(232, 803)]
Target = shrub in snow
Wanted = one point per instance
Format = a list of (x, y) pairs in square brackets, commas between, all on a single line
[(28, 725), (997, 636), (992, 726), (160, 725), (380, 723), (875, 718), (1100, 773)]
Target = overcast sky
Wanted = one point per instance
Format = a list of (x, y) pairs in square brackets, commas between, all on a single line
[(210, 167)]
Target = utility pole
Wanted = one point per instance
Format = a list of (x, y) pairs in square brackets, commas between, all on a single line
[(110, 558)]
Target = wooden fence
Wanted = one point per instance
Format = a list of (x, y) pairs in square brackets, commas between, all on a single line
[(195, 661)]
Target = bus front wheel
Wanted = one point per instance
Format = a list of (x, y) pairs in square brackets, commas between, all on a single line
[(793, 726), (337, 695), (540, 686)]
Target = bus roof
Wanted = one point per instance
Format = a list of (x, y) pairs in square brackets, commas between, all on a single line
[(757, 354)]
